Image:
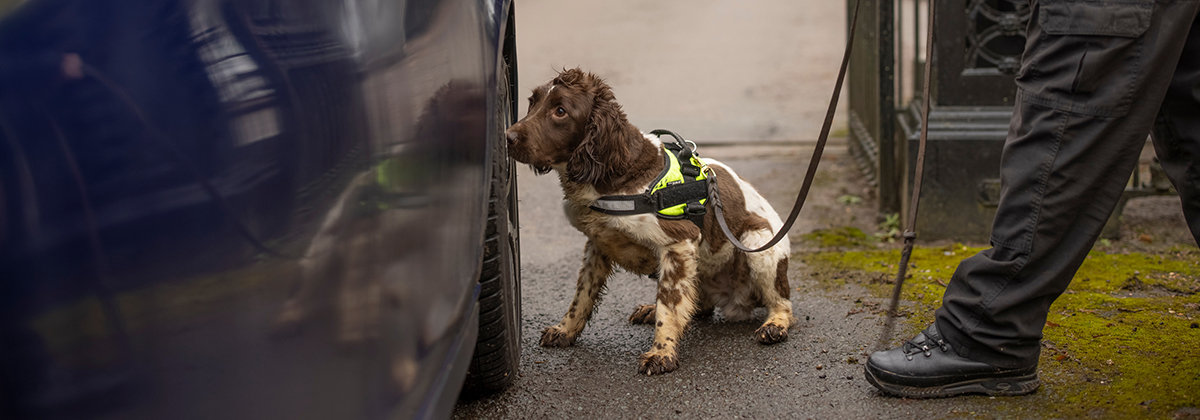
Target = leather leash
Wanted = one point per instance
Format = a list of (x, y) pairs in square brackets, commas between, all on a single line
[(812, 163), (910, 232)]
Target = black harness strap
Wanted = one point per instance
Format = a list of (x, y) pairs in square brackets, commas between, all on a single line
[(628, 205), (625, 205), (687, 192), (690, 191), (685, 153)]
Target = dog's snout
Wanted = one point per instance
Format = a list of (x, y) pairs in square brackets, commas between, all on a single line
[(513, 137)]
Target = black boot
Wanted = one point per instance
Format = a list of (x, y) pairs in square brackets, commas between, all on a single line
[(928, 367)]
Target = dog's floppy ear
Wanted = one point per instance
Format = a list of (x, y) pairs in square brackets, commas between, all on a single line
[(605, 151)]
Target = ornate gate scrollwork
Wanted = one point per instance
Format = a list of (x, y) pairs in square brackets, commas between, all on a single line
[(995, 36)]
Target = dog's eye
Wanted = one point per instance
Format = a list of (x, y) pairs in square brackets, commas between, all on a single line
[(560, 112)]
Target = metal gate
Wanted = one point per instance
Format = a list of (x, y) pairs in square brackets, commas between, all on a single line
[(976, 57)]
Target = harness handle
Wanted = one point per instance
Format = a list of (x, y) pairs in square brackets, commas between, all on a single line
[(679, 141)]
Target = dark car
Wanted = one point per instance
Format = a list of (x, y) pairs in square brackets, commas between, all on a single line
[(259, 209)]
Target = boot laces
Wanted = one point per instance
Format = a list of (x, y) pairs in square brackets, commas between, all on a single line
[(913, 348)]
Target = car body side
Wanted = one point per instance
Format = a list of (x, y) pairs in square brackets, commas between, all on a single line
[(244, 208)]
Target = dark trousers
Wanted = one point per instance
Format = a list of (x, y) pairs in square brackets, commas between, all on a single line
[(1094, 81)]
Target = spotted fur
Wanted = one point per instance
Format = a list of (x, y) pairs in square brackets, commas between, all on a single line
[(576, 129)]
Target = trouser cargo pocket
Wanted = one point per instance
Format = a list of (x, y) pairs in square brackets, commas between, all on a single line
[(1089, 60)]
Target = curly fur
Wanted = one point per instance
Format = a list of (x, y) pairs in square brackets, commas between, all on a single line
[(576, 128)]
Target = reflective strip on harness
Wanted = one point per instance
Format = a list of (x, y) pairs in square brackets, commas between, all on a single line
[(680, 191), (615, 205)]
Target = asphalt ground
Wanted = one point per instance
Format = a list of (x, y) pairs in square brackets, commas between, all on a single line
[(715, 71), (724, 372), (750, 82)]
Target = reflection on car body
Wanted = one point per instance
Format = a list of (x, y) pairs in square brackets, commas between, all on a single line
[(245, 209)]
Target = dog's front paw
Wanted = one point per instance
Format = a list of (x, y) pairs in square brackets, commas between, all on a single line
[(771, 334), (643, 314), (556, 337), (656, 364)]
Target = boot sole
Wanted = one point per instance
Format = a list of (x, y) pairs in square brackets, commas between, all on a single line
[(1016, 385)]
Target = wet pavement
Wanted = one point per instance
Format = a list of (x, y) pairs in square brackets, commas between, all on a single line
[(749, 82), (745, 74), (724, 372)]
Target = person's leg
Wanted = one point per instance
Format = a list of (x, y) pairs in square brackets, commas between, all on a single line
[(1090, 84), (1085, 105), (1177, 131)]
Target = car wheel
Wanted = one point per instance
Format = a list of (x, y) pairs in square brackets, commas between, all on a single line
[(498, 347)]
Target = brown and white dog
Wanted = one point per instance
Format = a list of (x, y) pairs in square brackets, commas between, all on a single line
[(575, 128)]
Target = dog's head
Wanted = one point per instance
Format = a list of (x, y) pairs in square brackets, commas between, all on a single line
[(574, 119)]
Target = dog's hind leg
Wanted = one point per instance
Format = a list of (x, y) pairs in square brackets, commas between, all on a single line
[(592, 277), (769, 273), (779, 308), (678, 294)]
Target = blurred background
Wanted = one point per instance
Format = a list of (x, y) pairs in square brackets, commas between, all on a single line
[(710, 70)]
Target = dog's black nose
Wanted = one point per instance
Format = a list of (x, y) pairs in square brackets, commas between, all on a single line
[(512, 136)]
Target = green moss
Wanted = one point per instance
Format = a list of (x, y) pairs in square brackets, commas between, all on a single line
[(1130, 356), (1119, 343), (843, 237), (1131, 274), (929, 270)]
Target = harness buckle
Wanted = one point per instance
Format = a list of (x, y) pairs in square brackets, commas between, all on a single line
[(695, 213)]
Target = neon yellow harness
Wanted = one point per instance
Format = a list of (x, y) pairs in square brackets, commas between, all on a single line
[(680, 190)]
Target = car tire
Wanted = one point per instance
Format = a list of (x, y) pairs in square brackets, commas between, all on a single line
[(498, 347)]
